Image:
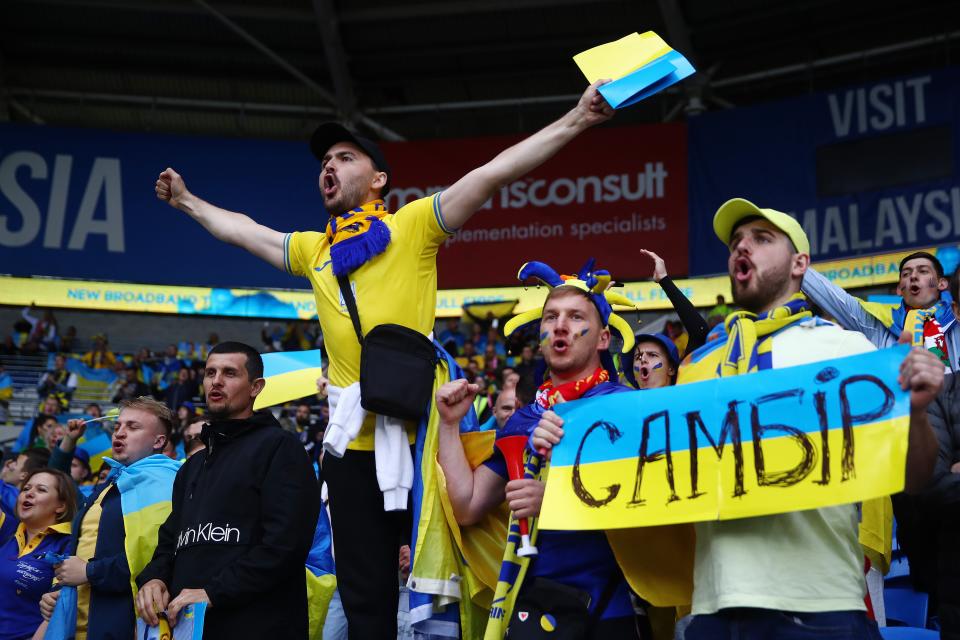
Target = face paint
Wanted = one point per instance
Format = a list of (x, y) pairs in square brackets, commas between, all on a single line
[(545, 339), (656, 366), (585, 332)]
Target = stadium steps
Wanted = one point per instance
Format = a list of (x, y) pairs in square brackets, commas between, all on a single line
[(25, 372)]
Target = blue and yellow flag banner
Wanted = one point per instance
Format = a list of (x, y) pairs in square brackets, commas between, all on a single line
[(97, 444), (804, 437), (146, 497), (189, 625), (640, 65), (290, 375), (859, 271)]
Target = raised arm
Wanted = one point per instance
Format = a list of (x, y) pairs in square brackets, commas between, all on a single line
[(472, 492), (842, 306), (467, 195), (692, 321), (230, 227)]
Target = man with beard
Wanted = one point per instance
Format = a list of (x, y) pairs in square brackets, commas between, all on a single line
[(308, 428), (244, 511), (389, 260), (796, 574), (923, 308)]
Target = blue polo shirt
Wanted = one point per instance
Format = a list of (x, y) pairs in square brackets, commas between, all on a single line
[(24, 578), (579, 559)]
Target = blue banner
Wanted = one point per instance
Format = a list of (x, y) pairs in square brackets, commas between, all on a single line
[(80, 203), (867, 169)]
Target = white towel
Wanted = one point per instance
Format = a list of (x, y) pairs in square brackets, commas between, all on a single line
[(391, 447), (346, 418), (394, 462)]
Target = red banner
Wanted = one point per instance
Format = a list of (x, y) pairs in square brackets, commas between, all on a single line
[(607, 194)]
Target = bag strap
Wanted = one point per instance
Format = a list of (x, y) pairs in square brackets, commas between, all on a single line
[(347, 292), (605, 597)]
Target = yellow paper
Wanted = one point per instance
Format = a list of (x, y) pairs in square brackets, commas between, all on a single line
[(616, 59)]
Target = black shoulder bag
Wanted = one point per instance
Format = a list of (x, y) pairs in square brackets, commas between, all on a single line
[(397, 365), (548, 610)]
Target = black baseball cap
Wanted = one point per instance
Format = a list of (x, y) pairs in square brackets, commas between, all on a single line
[(330, 133)]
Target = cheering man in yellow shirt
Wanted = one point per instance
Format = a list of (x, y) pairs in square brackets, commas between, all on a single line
[(390, 262)]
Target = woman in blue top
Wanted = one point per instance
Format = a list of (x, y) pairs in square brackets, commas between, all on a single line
[(45, 507)]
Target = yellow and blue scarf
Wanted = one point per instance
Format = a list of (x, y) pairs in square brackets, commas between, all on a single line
[(513, 568), (745, 345), (357, 235), (895, 319)]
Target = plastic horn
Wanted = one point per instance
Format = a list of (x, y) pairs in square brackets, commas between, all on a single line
[(512, 449)]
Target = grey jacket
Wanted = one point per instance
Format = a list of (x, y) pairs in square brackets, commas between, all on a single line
[(849, 314), (944, 414), (941, 501)]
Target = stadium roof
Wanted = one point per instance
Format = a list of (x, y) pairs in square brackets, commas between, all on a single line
[(427, 68)]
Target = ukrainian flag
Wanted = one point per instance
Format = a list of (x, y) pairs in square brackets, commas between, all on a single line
[(97, 443), (779, 440), (639, 64), (6, 386), (146, 494), (290, 375)]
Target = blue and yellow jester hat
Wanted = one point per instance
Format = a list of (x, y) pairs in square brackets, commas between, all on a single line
[(594, 282)]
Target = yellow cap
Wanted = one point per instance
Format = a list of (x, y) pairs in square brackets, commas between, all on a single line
[(733, 211)]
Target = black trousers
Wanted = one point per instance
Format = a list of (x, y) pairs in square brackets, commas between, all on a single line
[(366, 542)]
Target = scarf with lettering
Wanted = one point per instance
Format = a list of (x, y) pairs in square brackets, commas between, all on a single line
[(549, 394), (357, 235)]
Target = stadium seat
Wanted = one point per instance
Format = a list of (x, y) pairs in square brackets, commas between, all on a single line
[(908, 633), (899, 572), (905, 606)]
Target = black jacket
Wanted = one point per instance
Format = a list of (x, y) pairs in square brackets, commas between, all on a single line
[(942, 501), (243, 518), (928, 524)]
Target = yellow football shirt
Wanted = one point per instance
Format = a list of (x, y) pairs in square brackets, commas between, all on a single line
[(399, 286)]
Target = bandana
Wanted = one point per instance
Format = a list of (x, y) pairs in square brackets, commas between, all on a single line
[(356, 236), (549, 394)]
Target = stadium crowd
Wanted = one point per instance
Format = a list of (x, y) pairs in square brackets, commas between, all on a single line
[(322, 519)]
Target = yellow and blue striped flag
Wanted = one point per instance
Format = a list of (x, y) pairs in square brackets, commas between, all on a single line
[(640, 65), (778, 440), (290, 375)]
